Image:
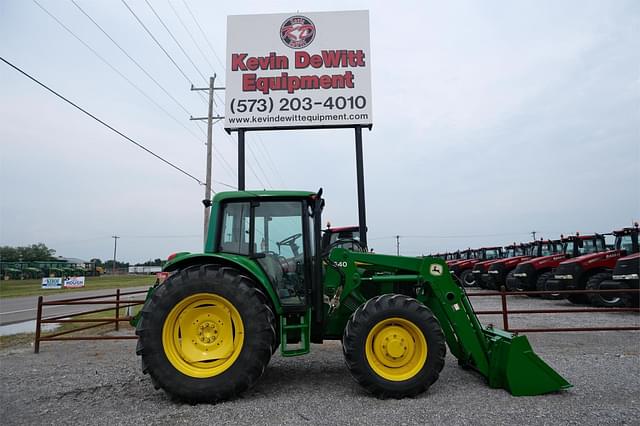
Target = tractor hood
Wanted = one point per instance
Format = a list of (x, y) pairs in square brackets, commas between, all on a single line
[(628, 265), (630, 257), (467, 263), (545, 261), (587, 259), (486, 263), (510, 261)]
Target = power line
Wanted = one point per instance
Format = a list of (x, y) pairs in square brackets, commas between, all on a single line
[(160, 46), (176, 40), (203, 34), (139, 145), (132, 59), (270, 161), (106, 62), (252, 153), (175, 12)]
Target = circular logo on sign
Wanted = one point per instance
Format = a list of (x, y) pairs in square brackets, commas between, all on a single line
[(297, 32)]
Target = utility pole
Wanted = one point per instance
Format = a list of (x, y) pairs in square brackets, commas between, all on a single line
[(397, 245), (534, 234), (207, 186), (115, 247)]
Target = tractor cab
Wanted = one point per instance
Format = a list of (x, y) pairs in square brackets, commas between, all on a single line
[(627, 240), (546, 247), (278, 230), (347, 237), (577, 245)]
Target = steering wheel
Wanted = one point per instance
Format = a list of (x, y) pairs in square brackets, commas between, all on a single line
[(289, 240)]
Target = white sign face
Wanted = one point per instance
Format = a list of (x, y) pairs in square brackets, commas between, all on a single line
[(52, 282), (74, 282), (298, 70)]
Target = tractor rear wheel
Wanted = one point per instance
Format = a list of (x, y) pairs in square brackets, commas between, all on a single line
[(610, 300), (467, 278), (393, 346), (206, 334)]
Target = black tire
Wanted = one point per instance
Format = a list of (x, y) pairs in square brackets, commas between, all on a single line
[(610, 300), (481, 283), (541, 285), (375, 311), (258, 342), (511, 282), (467, 279)]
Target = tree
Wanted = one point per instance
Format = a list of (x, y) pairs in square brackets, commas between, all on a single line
[(156, 262), (26, 253), (96, 261)]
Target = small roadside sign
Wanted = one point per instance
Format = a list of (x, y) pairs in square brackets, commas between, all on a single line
[(52, 282), (74, 282)]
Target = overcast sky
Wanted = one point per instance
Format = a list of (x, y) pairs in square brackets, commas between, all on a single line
[(491, 119)]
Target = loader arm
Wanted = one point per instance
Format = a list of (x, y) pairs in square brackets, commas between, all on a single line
[(505, 359)]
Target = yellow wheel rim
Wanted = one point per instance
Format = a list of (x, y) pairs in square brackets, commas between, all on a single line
[(203, 335), (396, 349)]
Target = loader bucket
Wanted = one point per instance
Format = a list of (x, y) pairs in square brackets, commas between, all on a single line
[(515, 367)]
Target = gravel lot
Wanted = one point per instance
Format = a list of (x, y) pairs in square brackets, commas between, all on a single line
[(101, 383)]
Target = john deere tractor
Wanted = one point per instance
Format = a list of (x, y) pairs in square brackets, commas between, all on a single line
[(209, 330)]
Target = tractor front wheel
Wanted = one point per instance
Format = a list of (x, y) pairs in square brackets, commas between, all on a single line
[(608, 300), (206, 334), (393, 346), (467, 278)]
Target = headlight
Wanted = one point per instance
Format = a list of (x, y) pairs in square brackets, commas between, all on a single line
[(494, 272), (625, 277), (520, 275), (563, 277), (476, 271)]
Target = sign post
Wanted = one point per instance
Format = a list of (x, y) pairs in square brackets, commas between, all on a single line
[(299, 71)]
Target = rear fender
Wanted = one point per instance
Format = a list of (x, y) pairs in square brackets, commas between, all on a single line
[(241, 263)]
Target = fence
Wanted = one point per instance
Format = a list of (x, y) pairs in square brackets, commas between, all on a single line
[(504, 311), (115, 304)]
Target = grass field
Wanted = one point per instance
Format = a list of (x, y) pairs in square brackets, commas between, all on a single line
[(16, 288)]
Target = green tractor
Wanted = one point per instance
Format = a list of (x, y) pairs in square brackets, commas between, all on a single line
[(207, 333)]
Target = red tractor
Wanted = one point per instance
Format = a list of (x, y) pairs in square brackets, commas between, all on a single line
[(625, 276), (347, 237), (462, 269), (500, 272), (589, 271), (533, 274), (480, 269)]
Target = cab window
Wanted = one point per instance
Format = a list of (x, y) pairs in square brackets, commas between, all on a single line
[(234, 236)]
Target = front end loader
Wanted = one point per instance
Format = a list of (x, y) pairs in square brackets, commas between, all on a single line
[(207, 332)]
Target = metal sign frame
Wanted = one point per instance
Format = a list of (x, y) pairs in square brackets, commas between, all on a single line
[(362, 212)]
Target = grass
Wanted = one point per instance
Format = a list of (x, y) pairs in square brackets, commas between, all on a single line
[(17, 288)]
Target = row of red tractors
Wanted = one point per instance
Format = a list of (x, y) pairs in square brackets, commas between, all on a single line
[(577, 262)]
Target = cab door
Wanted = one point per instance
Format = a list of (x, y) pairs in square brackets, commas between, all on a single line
[(280, 244)]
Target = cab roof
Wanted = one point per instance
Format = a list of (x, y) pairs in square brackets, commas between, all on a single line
[(230, 195)]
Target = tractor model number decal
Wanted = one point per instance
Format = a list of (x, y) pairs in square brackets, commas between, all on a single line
[(342, 264)]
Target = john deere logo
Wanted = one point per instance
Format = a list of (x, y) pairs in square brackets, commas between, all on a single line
[(297, 32)]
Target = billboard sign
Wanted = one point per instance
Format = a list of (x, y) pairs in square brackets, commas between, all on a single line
[(298, 70)]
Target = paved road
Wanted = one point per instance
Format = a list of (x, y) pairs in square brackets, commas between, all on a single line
[(20, 309)]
